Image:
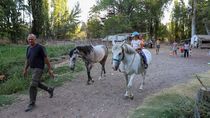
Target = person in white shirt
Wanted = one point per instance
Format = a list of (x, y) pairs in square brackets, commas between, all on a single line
[(138, 45), (186, 49)]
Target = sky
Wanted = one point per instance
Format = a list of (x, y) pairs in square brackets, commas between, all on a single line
[(85, 6)]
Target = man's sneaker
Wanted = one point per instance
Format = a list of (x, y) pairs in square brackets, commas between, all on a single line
[(51, 90), (30, 107)]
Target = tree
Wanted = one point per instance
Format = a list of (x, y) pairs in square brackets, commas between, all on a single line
[(193, 18), (11, 25), (94, 28), (64, 24), (136, 15), (38, 15)]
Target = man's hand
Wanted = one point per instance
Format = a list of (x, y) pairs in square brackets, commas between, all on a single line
[(51, 73)]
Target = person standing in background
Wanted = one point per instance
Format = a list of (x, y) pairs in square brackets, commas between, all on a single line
[(138, 44), (186, 49), (174, 47), (157, 43)]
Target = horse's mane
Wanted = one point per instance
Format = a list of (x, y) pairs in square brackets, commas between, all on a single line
[(86, 49), (71, 52), (128, 49)]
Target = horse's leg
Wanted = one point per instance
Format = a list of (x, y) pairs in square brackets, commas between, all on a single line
[(89, 67), (143, 78), (102, 71), (126, 84), (130, 83)]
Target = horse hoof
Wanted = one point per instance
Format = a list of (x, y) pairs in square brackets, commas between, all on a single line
[(100, 78), (131, 97), (92, 81), (88, 83)]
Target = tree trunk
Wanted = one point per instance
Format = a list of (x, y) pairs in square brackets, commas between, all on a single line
[(202, 103), (193, 18), (206, 27)]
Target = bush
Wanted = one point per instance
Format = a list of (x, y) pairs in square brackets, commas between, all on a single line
[(174, 102), (14, 85), (5, 100)]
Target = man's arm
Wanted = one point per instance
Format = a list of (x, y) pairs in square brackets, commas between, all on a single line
[(49, 66)]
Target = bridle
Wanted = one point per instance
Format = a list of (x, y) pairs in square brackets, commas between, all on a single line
[(123, 56), (119, 60)]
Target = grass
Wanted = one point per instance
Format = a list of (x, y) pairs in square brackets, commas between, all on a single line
[(12, 59), (175, 102), (6, 100)]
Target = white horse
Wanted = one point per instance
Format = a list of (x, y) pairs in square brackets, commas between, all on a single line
[(129, 62)]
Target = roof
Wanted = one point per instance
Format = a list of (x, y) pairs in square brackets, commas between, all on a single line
[(203, 37)]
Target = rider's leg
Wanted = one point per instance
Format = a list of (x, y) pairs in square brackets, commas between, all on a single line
[(144, 59)]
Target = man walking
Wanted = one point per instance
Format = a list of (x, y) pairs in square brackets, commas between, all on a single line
[(36, 58)]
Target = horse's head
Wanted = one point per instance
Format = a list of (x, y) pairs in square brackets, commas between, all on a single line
[(73, 58), (117, 54)]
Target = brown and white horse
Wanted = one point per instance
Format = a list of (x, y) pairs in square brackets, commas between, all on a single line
[(90, 55)]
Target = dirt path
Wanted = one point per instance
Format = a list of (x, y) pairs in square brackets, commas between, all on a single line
[(104, 99)]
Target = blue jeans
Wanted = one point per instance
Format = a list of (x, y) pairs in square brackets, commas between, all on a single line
[(143, 57)]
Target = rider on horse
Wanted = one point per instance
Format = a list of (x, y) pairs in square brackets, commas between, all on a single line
[(138, 44)]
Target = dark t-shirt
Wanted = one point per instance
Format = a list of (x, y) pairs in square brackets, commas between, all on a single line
[(35, 56)]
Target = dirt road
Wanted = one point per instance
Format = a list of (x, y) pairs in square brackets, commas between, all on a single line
[(104, 99)]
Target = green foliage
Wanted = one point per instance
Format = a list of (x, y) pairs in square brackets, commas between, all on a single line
[(180, 25), (10, 57), (46, 25), (166, 106), (64, 24), (6, 100), (202, 16), (117, 24), (174, 102), (58, 50), (132, 15), (14, 85), (94, 28), (11, 25), (63, 74), (37, 7)]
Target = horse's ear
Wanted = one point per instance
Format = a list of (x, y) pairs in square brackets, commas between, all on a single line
[(113, 42)]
